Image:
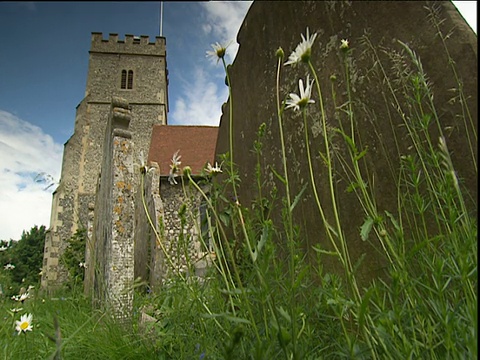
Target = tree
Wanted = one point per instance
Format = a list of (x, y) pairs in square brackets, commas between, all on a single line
[(26, 255), (29, 255)]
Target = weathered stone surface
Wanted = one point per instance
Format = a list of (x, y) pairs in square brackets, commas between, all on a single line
[(148, 199), (376, 61), (180, 236), (101, 187), (114, 227), (83, 151)]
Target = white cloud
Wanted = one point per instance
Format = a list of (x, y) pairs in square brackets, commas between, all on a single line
[(224, 19), (468, 9), (25, 153), (201, 100), (201, 103)]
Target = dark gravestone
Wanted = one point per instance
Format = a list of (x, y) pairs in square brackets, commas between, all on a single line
[(378, 65)]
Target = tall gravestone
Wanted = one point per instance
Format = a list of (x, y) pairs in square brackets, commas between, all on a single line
[(381, 100), (111, 269)]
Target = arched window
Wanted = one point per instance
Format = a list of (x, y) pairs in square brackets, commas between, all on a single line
[(123, 83), (130, 79), (126, 80)]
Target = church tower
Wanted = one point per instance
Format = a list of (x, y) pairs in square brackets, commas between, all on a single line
[(134, 69)]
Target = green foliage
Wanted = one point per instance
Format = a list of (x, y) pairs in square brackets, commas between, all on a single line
[(66, 327), (26, 255), (74, 257)]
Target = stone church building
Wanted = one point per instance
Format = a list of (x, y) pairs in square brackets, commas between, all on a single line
[(123, 118)]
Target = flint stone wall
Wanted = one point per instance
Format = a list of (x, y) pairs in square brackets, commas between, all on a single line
[(376, 60), (181, 237), (83, 152), (171, 246), (113, 233)]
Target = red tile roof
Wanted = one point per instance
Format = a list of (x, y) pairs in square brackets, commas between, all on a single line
[(196, 144)]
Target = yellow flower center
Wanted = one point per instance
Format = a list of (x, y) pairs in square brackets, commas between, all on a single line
[(306, 55), (302, 103), (221, 52), (24, 325)]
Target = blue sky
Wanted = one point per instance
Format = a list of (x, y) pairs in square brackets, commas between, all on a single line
[(43, 70)]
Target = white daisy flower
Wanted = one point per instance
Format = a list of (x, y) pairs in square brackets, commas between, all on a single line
[(344, 44), (25, 323), (303, 50), (213, 170), (23, 297), (300, 102), (9, 267), (218, 52), (174, 168)]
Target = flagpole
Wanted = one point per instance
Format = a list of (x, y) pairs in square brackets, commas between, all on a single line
[(161, 18)]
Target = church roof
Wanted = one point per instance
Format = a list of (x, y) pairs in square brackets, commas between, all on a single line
[(196, 145)]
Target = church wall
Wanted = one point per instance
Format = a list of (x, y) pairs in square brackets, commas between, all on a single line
[(181, 231)]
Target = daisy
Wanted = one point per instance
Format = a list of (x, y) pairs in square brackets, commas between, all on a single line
[(174, 168), (344, 44), (303, 50), (25, 323), (3, 248), (144, 169), (23, 297), (213, 170), (218, 51), (300, 102), (9, 267)]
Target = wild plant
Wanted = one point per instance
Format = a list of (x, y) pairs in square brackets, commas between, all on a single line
[(428, 243)]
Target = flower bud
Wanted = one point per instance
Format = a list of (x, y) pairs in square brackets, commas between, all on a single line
[(279, 53)]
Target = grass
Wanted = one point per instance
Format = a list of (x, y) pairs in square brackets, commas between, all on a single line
[(66, 327)]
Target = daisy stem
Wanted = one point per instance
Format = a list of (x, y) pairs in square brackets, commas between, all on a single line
[(26, 345), (282, 142), (160, 243), (290, 238), (230, 116), (344, 250), (230, 252)]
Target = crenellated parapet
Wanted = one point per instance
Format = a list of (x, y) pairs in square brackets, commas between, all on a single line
[(131, 44)]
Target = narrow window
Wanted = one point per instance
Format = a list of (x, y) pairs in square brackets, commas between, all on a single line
[(123, 84), (130, 79)]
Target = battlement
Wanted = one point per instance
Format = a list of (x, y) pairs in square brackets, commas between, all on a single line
[(130, 45)]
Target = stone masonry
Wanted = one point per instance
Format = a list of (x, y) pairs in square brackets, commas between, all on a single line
[(135, 232), (112, 262), (147, 96)]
